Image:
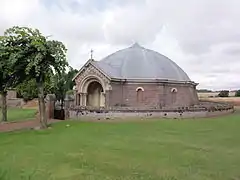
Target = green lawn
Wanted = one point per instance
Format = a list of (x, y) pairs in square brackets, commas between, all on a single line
[(18, 114), (149, 149)]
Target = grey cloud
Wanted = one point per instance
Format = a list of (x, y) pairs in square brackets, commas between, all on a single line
[(202, 36)]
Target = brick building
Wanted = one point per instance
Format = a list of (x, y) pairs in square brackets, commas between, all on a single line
[(134, 77)]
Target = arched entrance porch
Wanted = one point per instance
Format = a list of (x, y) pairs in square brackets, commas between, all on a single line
[(92, 92), (95, 95)]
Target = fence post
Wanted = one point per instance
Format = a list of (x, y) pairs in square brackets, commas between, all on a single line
[(50, 105), (69, 101)]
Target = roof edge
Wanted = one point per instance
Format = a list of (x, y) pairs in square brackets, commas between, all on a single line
[(86, 64), (89, 61), (150, 80)]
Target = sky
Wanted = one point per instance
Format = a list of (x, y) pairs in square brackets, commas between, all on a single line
[(201, 36)]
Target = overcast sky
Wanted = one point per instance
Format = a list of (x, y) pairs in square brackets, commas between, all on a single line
[(201, 36)]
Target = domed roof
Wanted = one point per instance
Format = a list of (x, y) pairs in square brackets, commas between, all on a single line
[(136, 62)]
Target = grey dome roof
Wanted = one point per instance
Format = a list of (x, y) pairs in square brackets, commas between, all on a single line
[(137, 62)]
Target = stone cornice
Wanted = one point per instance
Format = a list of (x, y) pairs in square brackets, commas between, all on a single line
[(160, 81)]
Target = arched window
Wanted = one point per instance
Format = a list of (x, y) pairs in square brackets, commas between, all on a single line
[(140, 91), (174, 90), (174, 95)]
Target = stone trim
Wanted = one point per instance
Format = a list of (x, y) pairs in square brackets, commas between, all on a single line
[(149, 80), (140, 88), (86, 65), (174, 90), (88, 75)]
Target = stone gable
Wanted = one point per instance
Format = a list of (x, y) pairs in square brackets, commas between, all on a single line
[(88, 71)]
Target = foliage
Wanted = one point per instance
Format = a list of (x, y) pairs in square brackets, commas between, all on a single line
[(224, 93), (70, 92), (63, 83), (140, 149), (28, 89), (8, 62), (204, 91), (39, 58), (54, 84), (237, 94), (11, 73)]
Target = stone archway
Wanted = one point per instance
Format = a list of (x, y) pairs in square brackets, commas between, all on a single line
[(92, 92), (95, 95)]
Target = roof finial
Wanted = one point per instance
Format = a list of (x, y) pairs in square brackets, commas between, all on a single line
[(135, 45), (91, 54)]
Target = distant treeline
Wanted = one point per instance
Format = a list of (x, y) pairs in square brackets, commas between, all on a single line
[(204, 91), (210, 91)]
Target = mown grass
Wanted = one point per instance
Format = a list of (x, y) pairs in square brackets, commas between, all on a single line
[(19, 114), (200, 149)]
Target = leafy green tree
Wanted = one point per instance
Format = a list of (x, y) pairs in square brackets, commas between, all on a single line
[(5, 72), (28, 89), (237, 94), (40, 58), (54, 84), (70, 75), (63, 83), (10, 68)]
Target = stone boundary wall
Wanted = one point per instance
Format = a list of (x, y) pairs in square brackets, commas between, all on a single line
[(197, 112), (173, 115), (203, 109), (14, 102)]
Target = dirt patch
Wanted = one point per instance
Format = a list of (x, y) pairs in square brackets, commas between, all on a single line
[(33, 104), (14, 126), (231, 100), (213, 94)]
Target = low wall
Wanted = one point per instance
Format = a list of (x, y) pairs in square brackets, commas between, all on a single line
[(203, 109), (14, 102), (73, 114)]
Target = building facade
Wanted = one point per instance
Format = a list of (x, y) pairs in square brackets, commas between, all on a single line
[(134, 77)]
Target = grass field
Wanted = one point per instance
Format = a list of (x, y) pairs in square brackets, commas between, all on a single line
[(204, 149), (231, 100), (18, 114), (213, 94)]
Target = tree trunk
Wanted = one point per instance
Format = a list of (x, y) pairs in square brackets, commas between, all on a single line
[(42, 108), (4, 106)]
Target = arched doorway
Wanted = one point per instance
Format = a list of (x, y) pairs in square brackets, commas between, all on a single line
[(95, 95)]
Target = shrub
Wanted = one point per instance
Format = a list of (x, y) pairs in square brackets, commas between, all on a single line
[(70, 92), (237, 94), (224, 93)]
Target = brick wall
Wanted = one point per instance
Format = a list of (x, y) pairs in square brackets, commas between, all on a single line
[(12, 100), (154, 95), (11, 94)]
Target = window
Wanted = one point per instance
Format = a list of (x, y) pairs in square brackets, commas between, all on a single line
[(140, 91), (174, 90), (174, 95)]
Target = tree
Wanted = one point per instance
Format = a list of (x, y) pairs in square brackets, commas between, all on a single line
[(28, 89), (10, 68), (4, 76), (40, 58), (60, 87), (64, 83), (237, 94), (70, 75), (224, 93)]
